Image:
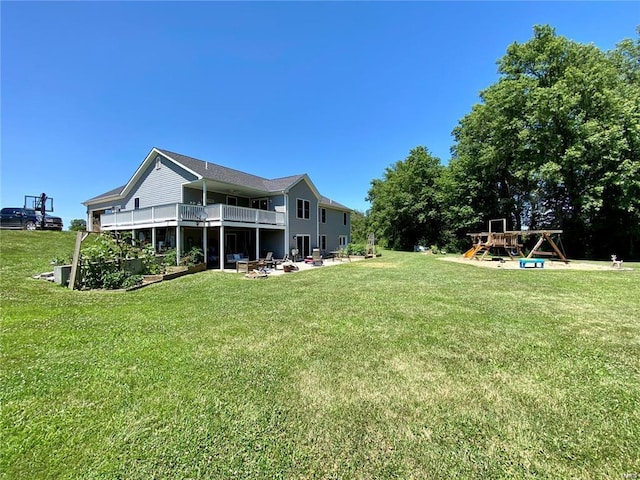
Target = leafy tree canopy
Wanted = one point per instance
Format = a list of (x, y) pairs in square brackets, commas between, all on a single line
[(554, 143), (78, 224), (405, 205)]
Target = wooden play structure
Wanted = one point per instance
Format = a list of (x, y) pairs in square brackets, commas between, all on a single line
[(498, 237)]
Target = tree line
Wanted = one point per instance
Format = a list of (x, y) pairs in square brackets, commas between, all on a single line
[(553, 144)]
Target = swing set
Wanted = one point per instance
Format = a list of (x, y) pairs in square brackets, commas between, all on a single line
[(498, 237)]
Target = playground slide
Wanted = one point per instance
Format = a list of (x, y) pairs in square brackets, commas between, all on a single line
[(471, 252)]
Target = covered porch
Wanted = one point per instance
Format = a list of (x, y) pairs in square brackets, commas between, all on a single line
[(219, 244)]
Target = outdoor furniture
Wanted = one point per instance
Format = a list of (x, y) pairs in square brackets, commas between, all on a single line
[(233, 258), (316, 258), (339, 254), (535, 262), (246, 265), (269, 261)]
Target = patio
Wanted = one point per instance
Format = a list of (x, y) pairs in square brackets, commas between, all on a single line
[(303, 266)]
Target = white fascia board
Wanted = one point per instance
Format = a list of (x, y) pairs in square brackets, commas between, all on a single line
[(200, 177)]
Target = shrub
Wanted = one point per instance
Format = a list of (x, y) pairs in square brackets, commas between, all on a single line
[(169, 259), (357, 249), (120, 279), (192, 257), (101, 262), (62, 260)]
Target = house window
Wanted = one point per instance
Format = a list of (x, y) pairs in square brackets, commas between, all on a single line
[(260, 203), (303, 208), (136, 203), (232, 200), (323, 242), (323, 215), (344, 218)]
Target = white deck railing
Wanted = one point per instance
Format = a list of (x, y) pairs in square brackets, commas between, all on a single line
[(175, 212)]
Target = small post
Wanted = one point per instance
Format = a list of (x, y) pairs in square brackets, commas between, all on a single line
[(80, 237)]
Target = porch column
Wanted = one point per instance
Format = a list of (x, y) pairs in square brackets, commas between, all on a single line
[(133, 237), (257, 243), (204, 243), (178, 244), (153, 239), (221, 250), (287, 250), (204, 192)]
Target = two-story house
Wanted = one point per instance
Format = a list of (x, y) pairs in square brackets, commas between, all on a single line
[(175, 201)]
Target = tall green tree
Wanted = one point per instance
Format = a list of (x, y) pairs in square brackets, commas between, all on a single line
[(554, 143), (78, 224), (405, 204), (359, 227)]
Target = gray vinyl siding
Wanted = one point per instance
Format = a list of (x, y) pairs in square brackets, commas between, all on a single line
[(159, 186), (299, 226), (334, 227), (277, 201)]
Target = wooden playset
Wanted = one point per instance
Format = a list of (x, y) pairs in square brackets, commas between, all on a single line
[(498, 237)]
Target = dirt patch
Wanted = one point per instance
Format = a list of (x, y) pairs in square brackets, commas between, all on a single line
[(379, 265), (515, 265)]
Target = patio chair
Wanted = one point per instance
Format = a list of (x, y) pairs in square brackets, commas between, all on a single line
[(316, 257), (269, 261)]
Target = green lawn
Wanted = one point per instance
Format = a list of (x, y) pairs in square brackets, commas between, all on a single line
[(403, 366)]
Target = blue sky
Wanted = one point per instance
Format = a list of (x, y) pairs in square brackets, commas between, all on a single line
[(338, 90)]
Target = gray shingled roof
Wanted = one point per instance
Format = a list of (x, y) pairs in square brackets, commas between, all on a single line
[(331, 203), (110, 193), (212, 171)]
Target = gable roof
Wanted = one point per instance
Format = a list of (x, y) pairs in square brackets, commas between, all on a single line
[(211, 171), (115, 193), (327, 202)]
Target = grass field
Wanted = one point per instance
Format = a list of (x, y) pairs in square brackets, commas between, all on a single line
[(398, 367)]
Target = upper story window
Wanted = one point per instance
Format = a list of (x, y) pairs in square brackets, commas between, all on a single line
[(136, 203), (344, 218), (232, 200), (323, 215), (260, 203), (303, 208)]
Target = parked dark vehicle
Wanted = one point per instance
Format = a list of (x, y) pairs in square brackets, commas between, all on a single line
[(27, 219), (50, 222)]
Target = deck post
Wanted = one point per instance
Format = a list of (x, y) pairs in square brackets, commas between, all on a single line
[(204, 243), (257, 243), (221, 249), (178, 244)]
